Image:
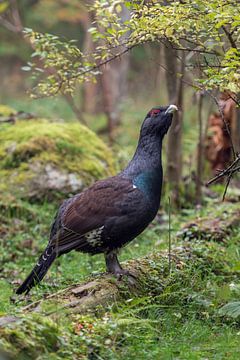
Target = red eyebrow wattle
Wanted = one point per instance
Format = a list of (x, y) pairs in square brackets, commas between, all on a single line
[(154, 112)]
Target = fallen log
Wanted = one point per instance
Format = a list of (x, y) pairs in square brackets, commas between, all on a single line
[(105, 289)]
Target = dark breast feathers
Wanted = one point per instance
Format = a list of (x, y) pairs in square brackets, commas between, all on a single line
[(106, 216)]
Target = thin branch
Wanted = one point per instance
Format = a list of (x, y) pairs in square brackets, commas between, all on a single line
[(101, 64), (237, 102), (128, 48), (202, 51), (230, 38), (229, 170), (226, 187), (195, 86)]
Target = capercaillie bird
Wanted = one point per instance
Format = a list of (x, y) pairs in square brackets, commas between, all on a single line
[(111, 212)]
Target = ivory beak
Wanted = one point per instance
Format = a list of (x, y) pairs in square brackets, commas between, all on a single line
[(171, 109)]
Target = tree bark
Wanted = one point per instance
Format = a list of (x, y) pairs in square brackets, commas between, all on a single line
[(235, 130), (237, 144), (199, 152), (114, 85), (160, 71), (89, 88), (77, 111), (175, 96)]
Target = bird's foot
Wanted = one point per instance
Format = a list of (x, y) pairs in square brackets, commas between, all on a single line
[(114, 267), (121, 273)]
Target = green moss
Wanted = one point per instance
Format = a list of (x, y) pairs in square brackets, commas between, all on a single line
[(28, 147), (31, 336), (6, 110), (25, 151)]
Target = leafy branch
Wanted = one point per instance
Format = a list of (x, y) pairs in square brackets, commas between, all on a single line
[(207, 30)]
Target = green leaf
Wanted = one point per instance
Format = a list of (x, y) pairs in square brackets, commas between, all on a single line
[(232, 309), (118, 8)]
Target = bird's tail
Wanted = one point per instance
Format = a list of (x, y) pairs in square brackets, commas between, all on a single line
[(39, 271)]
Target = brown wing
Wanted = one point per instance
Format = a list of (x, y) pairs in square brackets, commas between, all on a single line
[(89, 211)]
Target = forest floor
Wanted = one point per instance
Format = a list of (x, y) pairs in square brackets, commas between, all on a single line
[(193, 312)]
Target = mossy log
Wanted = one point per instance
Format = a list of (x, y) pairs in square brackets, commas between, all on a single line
[(105, 289), (201, 243)]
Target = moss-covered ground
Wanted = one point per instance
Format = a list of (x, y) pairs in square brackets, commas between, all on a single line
[(195, 317)]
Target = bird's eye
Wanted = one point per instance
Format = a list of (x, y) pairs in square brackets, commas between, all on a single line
[(154, 112)]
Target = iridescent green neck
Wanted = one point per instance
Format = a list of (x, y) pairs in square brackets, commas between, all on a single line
[(150, 183)]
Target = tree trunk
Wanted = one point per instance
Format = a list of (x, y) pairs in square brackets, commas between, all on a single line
[(237, 144), (160, 71), (235, 130), (89, 88), (200, 151), (175, 96), (108, 101), (114, 85), (77, 111)]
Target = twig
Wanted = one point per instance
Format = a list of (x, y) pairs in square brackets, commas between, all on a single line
[(105, 62), (229, 36), (37, 302), (237, 102), (195, 86), (226, 187), (229, 170)]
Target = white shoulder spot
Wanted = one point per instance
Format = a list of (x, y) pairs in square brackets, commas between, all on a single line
[(134, 187)]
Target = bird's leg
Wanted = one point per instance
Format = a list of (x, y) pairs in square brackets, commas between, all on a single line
[(113, 265)]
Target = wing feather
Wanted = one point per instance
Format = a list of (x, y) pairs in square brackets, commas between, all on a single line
[(88, 211)]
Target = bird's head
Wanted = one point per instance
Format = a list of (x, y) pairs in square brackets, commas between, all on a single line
[(158, 120)]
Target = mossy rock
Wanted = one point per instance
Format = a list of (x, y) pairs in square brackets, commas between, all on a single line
[(42, 160)]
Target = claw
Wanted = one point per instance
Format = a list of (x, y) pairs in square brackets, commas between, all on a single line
[(132, 279)]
